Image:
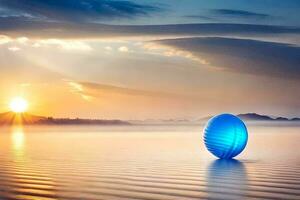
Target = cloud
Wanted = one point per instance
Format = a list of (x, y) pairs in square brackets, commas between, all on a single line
[(123, 49), (64, 44), (202, 17), (77, 88), (4, 39), (91, 91), (169, 51), (22, 40), (96, 89), (230, 15), (19, 27), (79, 10), (108, 48), (14, 48), (60, 43), (243, 56), (81, 19), (239, 13)]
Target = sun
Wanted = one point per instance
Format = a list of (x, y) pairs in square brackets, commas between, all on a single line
[(18, 105)]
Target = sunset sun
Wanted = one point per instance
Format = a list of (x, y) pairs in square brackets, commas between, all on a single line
[(18, 105)]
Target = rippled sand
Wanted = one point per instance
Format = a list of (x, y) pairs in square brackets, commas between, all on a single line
[(145, 162)]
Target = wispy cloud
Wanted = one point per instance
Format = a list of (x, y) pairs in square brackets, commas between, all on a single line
[(19, 27), (37, 43), (202, 17), (79, 10), (239, 13), (77, 88), (4, 39), (96, 89), (65, 44), (231, 15), (169, 51), (123, 49), (14, 48), (243, 55)]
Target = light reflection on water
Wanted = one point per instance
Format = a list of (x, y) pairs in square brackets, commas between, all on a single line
[(144, 163), (18, 140), (25, 180)]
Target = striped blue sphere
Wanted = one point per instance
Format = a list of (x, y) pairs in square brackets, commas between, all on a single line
[(225, 136)]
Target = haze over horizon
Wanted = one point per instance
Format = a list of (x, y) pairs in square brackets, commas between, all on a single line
[(150, 59)]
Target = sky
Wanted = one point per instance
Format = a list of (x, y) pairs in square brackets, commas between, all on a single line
[(150, 59)]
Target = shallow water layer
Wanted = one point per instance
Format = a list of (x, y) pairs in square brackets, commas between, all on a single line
[(145, 162)]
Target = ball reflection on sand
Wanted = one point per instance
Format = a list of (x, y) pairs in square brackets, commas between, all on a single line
[(226, 179)]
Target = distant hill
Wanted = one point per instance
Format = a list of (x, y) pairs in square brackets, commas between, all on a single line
[(10, 118), (295, 119), (246, 117), (258, 117), (254, 117)]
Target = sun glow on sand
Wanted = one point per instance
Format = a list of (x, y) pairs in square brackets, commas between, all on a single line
[(18, 105)]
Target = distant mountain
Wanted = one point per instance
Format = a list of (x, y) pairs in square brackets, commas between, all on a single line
[(246, 117), (258, 117), (255, 117), (295, 119), (10, 118)]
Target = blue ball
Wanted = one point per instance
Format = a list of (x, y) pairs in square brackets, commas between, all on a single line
[(225, 136)]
